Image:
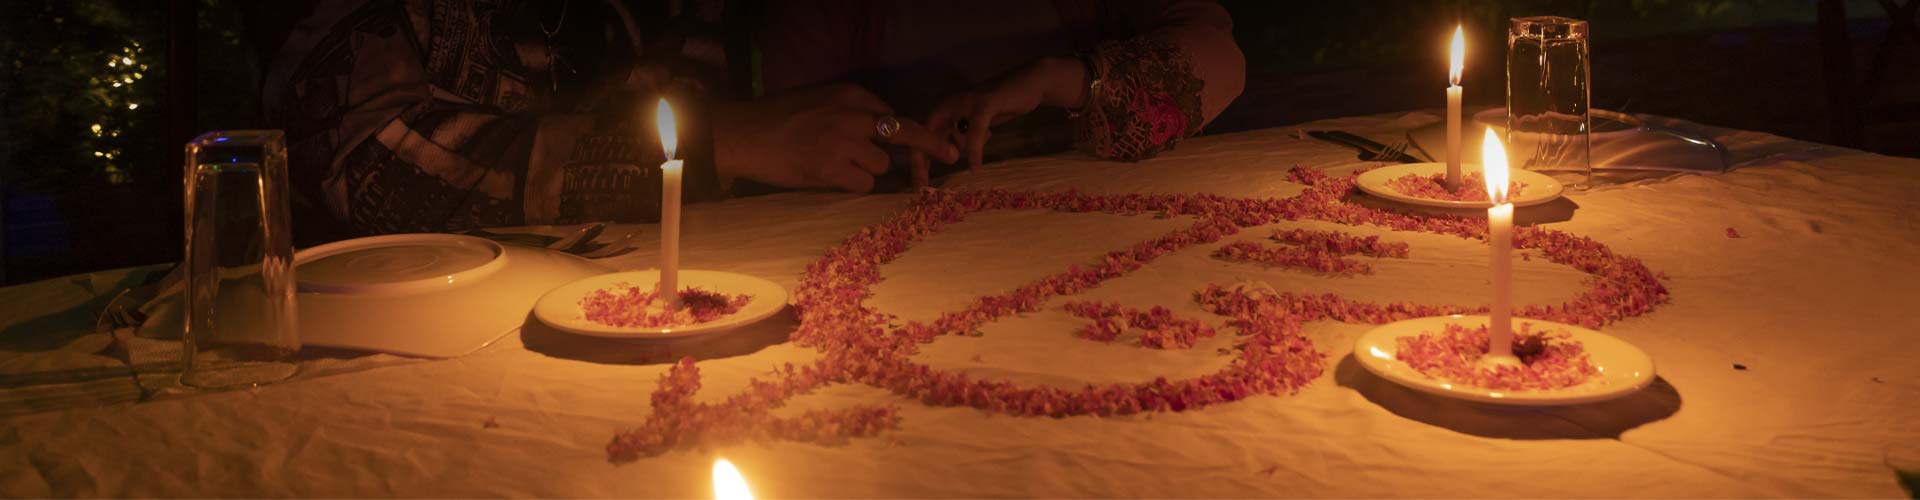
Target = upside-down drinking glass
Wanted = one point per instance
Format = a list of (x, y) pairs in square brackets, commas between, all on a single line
[(241, 328), (1549, 127)]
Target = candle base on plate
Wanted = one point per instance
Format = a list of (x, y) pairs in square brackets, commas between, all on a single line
[(1378, 182), (1622, 368), (1496, 360), (562, 307)]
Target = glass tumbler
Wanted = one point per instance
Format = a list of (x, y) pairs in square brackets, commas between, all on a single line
[(1549, 125), (241, 328)]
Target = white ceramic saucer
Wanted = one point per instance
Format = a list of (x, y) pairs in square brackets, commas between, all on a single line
[(1623, 367), (1540, 188), (560, 308)]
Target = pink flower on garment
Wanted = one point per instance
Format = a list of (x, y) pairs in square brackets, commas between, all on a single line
[(1157, 109)]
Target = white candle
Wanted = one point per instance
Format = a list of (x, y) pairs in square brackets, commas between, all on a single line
[(1500, 241), (669, 287), (727, 483), (1457, 59)]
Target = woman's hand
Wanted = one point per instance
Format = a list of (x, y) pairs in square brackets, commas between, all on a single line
[(822, 137), (1059, 82)]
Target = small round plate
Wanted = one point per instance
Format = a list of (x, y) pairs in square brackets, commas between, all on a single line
[(1540, 188), (1623, 367), (560, 308)]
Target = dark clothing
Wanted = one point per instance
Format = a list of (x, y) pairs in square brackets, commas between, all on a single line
[(434, 115)]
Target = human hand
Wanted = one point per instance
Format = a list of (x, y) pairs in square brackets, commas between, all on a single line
[(822, 137), (1054, 81)]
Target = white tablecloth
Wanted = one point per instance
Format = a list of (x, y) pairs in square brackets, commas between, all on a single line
[(1817, 300)]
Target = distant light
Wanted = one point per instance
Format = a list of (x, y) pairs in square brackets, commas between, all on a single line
[(133, 105), (126, 60), (97, 153), (116, 85), (96, 129)]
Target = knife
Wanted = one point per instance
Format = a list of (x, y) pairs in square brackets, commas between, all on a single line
[(1369, 150)]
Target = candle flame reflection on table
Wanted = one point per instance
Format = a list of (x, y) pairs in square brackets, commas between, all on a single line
[(727, 483)]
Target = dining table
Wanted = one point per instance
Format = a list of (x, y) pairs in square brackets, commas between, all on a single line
[(1786, 346)]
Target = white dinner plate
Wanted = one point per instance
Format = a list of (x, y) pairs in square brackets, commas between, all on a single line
[(560, 308), (426, 295), (1540, 188), (1623, 367)]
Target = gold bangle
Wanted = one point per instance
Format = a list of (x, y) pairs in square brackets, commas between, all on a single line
[(1093, 85)]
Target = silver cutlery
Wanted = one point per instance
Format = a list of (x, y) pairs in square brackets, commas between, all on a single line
[(127, 309), (1392, 152), (1367, 148), (575, 242), (616, 247), (578, 242)]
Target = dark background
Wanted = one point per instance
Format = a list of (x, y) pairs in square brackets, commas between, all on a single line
[(73, 199)]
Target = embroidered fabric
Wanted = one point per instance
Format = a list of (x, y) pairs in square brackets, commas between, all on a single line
[(1148, 100)]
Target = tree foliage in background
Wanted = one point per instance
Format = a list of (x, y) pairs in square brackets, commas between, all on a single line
[(84, 87), (72, 66)]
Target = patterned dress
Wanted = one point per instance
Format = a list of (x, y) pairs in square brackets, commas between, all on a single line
[(1165, 68), (437, 115)]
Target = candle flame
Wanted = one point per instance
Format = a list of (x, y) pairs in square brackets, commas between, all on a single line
[(1494, 160), (727, 483), (663, 121), (1457, 56)]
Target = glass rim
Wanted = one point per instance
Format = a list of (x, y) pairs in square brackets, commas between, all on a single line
[(1538, 26), (238, 137)]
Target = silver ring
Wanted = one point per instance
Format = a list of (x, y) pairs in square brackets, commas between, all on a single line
[(887, 125)]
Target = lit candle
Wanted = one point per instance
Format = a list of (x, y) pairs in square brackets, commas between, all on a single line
[(669, 287), (727, 483), (1500, 240), (1457, 59)]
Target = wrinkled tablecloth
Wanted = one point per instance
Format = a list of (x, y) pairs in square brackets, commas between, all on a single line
[(1786, 360)]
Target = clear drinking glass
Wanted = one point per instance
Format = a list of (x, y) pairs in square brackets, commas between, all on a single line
[(241, 328), (1549, 127)]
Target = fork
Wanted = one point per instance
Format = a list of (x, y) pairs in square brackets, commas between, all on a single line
[(616, 247), (1368, 149), (1392, 152), (574, 243), (124, 309)]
